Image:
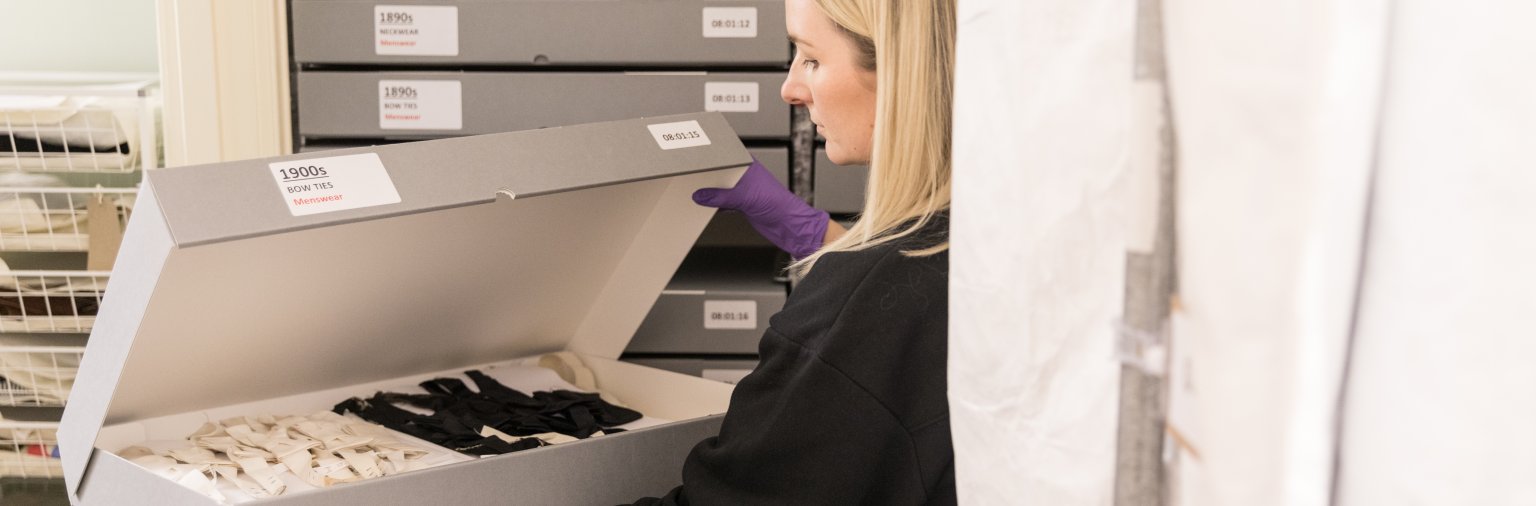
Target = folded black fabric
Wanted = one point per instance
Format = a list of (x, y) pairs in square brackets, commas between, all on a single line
[(458, 414)]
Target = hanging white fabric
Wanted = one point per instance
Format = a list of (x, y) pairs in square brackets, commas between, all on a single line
[(1442, 390), (1275, 107), (1043, 90)]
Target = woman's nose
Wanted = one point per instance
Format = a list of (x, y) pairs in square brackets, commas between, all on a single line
[(794, 91)]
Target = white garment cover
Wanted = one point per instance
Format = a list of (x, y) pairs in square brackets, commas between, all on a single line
[(1281, 113), (1442, 389), (1037, 267), (1274, 107)]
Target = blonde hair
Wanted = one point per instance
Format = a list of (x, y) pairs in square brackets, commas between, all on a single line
[(913, 53)]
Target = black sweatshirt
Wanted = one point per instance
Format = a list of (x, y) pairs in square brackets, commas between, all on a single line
[(848, 403)]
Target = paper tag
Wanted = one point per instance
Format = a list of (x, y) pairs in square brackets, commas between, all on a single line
[(683, 134), (301, 465), (395, 460), (489, 431), (232, 474), (323, 185), (1183, 422), (366, 464), (730, 97), (730, 22), (556, 438), (732, 376), (329, 464), (421, 105), (415, 30), (199, 482), (730, 314), (263, 474)]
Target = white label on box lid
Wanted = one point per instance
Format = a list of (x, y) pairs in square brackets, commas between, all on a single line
[(730, 22), (336, 183), (730, 314), (421, 105), (730, 97), (682, 134), (415, 30)]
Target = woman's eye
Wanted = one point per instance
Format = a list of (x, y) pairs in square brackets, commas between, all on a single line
[(810, 64)]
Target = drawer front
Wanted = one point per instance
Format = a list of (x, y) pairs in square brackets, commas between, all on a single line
[(680, 322), (839, 189), (776, 160), (673, 33), (726, 370), (424, 105)]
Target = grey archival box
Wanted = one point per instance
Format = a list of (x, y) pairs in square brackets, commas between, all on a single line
[(726, 229), (231, 295)]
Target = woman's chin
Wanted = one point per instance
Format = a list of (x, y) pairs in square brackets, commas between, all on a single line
[(840, 156)]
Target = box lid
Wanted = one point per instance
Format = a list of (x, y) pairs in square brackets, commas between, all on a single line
[(496, 247)]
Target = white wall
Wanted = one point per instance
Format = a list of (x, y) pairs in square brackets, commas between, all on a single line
[(78, 35)]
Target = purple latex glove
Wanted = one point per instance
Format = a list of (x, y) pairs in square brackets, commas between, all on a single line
[(780, 216)]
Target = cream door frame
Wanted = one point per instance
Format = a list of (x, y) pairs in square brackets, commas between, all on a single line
[(224, 77)]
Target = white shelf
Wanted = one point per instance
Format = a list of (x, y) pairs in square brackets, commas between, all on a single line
[(27, 449), (56, 219), (50, 301), (78, 124), (72, 146), (38, 376)]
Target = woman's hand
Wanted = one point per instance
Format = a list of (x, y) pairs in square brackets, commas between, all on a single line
[(777, 214)]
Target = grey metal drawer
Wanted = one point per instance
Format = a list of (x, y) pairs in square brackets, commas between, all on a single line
[(718, 302), (728, 370), (421, 105), (838, 189), (691, 33), (776, 160)]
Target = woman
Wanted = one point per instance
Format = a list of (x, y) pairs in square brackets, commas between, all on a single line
[(848, 403)]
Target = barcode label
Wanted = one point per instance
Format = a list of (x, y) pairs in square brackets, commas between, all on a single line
[(730, 314), (730, 97), (682, 134), (730, 22)]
